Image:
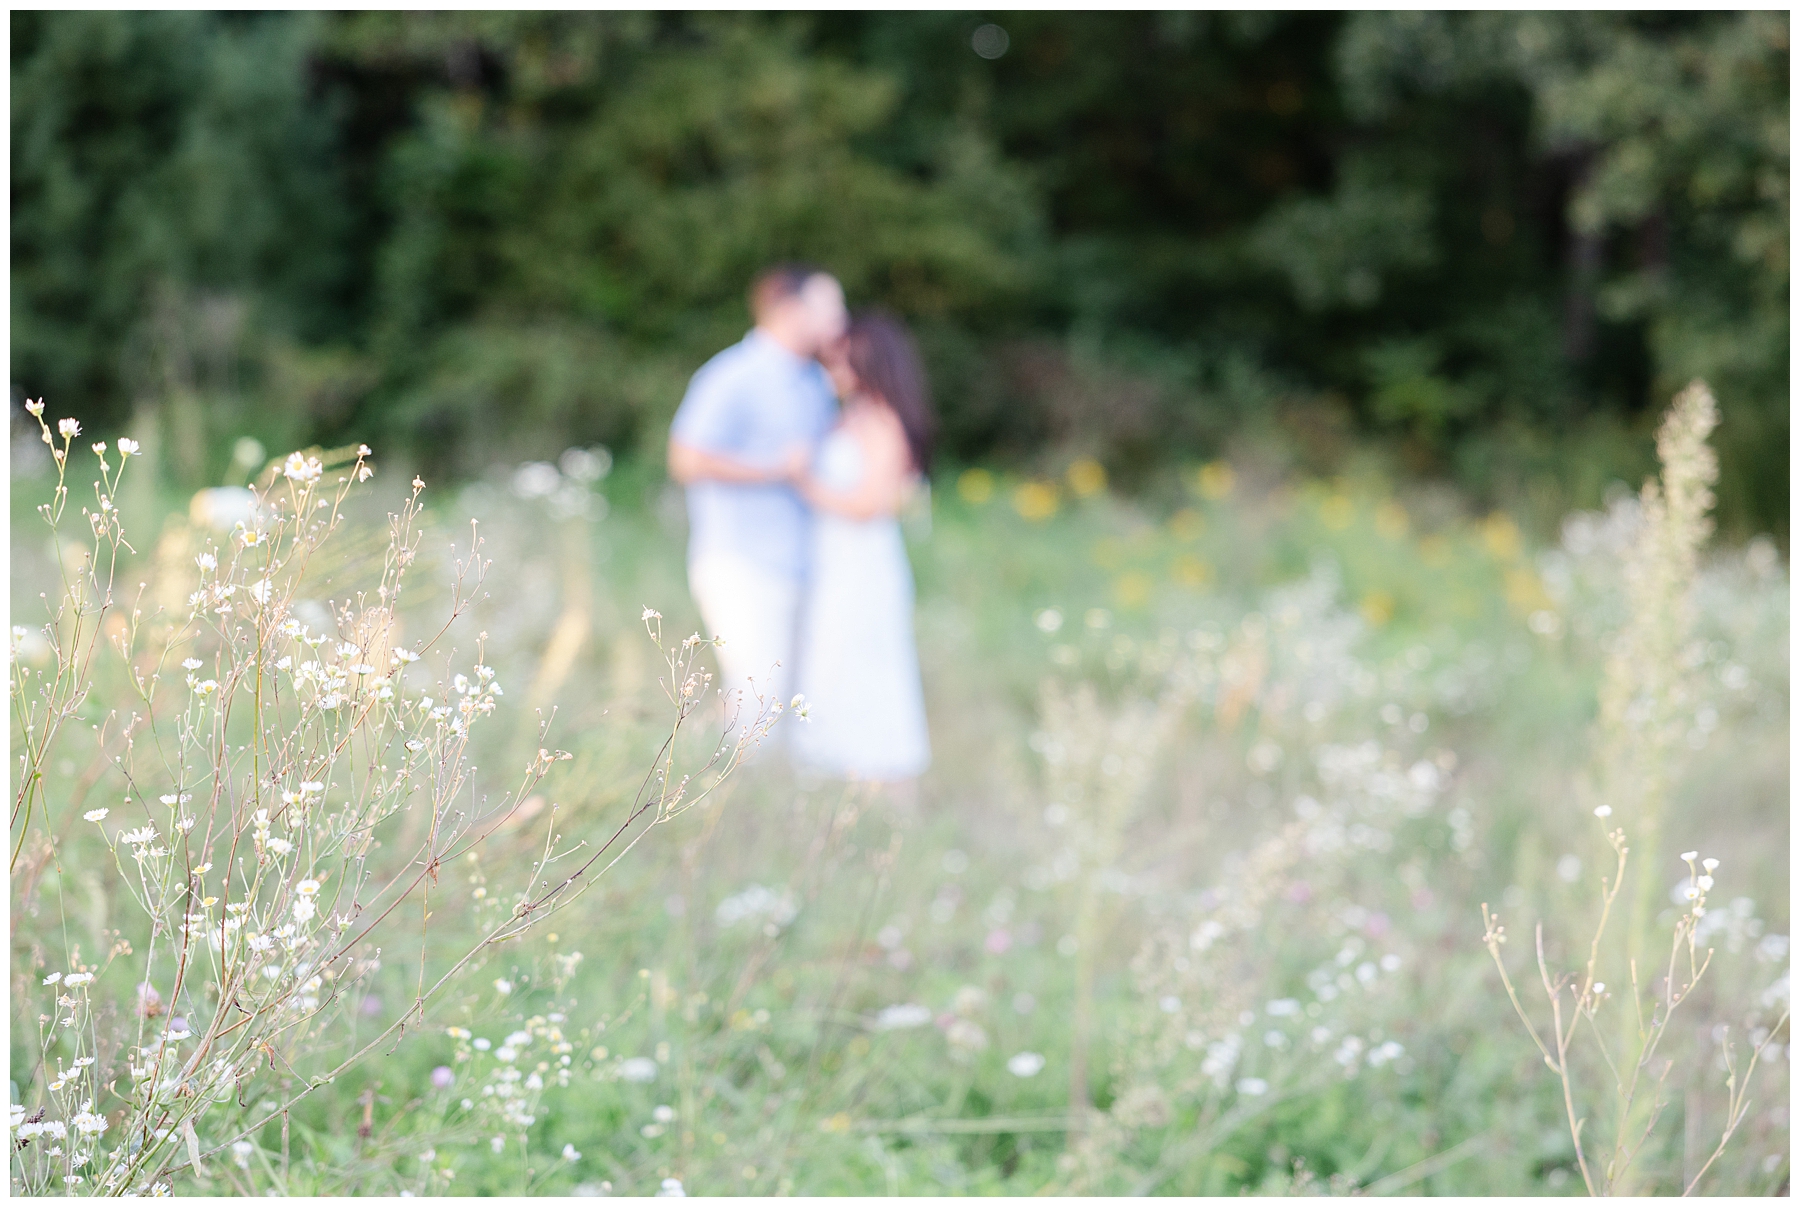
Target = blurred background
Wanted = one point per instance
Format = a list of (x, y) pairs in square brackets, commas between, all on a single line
[(1296, 375), (1482, 248)]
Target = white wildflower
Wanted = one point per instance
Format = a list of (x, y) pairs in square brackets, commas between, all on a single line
[(302, 469), (1025, 1064), (902, 1017)]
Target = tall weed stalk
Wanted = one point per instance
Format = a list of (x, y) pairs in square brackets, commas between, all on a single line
[(1645, 697), (284, 783)]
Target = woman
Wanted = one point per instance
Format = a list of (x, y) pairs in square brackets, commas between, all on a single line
[(858, 667)]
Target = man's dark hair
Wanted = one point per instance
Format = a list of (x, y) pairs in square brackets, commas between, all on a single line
[(778, 283)]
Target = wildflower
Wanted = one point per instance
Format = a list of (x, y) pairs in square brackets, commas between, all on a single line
[(207, 687), (307, 888), (442, 1077), (569, 1153), (68, 428), (1603, 811), (965, 1037), (173, 799), (1711, 865), (1253, 1087), (638, 1069), (304, 909), (498, 1144), (671, 1189), (1025, 1064), (88, 1123), (76, 979), (280, 846), (36, 408), (53, 978), (302, 469), (651, 614), (482, 1045), (507, 1054), (405, 656), (95, 815), (127, 446), (503, 985)]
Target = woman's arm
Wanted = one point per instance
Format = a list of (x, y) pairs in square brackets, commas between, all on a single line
[(884, 480)]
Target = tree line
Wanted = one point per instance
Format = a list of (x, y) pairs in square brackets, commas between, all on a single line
[(1490, 244)]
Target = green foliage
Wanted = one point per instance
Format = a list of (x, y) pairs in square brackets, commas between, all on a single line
[(1131, 234), (1336, 615)]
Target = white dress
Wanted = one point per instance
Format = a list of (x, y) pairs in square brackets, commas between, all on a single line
[(858, 667)]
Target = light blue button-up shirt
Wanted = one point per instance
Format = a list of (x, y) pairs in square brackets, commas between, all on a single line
[(753, 402)]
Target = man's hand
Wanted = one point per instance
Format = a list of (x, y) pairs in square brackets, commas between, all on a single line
[(688, 465), (796, 463)]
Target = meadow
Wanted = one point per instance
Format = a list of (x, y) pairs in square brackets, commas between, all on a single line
[(1191, 901)]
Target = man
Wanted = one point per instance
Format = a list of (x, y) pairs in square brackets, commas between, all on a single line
[(752, 416)]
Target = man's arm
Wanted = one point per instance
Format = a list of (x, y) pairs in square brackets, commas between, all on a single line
[(688, 464)]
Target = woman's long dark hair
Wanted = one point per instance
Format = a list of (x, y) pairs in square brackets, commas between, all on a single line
[(886, 362)]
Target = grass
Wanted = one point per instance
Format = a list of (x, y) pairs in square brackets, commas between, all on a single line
[(1319, 727)]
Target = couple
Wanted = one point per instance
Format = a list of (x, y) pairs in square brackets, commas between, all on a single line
[(798, 446)]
